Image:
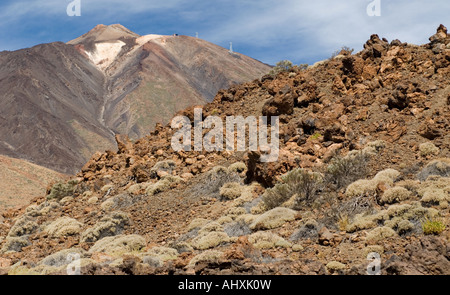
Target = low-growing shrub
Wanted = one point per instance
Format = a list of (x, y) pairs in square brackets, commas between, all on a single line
[(367, 187), (119, 201), (110, 225), (210, 183), (118, 245), (25, 225), (163, 185), (197, 223), (273, 218), (281, 66), (267, 240), (209, 240), (63, 227), (439, 167), (211, 227), (395, 195), (428, 149), (163, 253), (238, 167), (343, 222), (309, 230), (206, 256), (433, 226), (231, 191), (61, 258), (303, 183), (15, 244), (380, 233), (335, 266), (61, 190), (344, 170)]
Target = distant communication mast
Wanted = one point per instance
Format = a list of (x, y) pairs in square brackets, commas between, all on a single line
[(231, 47), (196, 35)]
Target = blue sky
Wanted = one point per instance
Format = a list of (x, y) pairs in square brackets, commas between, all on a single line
[(297, 30)]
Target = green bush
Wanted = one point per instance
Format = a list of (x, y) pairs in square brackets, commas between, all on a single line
[(344, 170), (281, 66), (345, 50), (15, 244), (63, 226), (303, 183), (119, 245), (110, 225), (210, 183), (433, 226), (61, 190)]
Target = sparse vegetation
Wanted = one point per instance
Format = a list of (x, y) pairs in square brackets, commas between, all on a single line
[(61, 190), (267, 240), (163, 253), (209, 240), (119, 201), (309, 229), (439, 167), (231, 191), (380, 233), (281, 66), (15, 244), (433, 226), (206, 256), (303, 183), (335, 266), (343, 222), (238, 167), (110, 225), (64, 226), (163, 185), (345, 50), (197, 223), (213, 180), (59, 258), (210, 227), (315, 136), (428, 149), (395, 195), (344, 170), (120, 244), (368, 187), (25, 225), (273, 218)]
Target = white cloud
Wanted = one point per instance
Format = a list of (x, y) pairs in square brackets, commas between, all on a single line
[(275, 29), (323, 26)]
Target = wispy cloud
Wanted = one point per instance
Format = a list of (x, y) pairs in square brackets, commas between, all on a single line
[(270, 30)]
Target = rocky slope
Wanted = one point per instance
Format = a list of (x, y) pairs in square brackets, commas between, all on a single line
[(364, 167), (22, 181), (60, 103)]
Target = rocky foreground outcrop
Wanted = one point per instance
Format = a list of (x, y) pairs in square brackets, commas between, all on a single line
[(364, 168)]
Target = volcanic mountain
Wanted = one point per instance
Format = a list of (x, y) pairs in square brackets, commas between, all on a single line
[(60, 103)]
